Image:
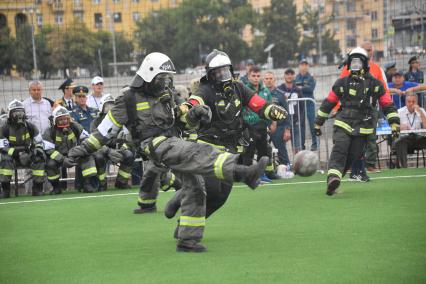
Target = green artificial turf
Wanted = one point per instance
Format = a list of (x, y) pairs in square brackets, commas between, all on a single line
[(371, 233)]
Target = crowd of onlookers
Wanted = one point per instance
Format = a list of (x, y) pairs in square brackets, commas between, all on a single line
[(295, 94)]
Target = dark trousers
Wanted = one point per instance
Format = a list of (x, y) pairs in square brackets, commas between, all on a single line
[(217, 193), (259, 143), (404, 143), (280, 144), (346, 149)]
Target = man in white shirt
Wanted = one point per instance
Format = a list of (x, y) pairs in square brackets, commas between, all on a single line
[(412, 117), (94, 99), (38, 109)]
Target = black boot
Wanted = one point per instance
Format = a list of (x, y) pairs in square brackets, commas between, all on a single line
[(88, 186), (190, 246), (57, 189), (121, 185), (250, 174), (37, 189), (333, 183), (6, 189), (152, 208), (173, 205)]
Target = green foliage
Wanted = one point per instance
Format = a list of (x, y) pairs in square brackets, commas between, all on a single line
[(193, 29), (330, 46), (279, 24), (44, 52), (23, 58), (7, 44)]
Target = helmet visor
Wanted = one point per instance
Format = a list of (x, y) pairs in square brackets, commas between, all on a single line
[(17, 115), (222, 74), (356, 64), (63, 121)]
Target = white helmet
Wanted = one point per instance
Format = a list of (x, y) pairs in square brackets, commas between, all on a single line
[(105, 99), (154, 64), (58, 112), (361, 53), (218, 67), (15, 104)]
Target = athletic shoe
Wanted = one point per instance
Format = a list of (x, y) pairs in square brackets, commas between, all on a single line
[(364, 177), (265, 179), (353, 177)]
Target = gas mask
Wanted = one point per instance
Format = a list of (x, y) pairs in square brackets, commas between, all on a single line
[(17, 116), (63, 121), (161, 85), (222, 78), (357, 67)]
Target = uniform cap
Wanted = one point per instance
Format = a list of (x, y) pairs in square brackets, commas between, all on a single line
[(80, 90)]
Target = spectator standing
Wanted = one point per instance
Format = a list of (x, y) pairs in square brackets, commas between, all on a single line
[(249, 64), (296, 111), (67, 100), (83, 113), (398, 88), (94, 99), (390, 69), (412, 117), (414, 74), (37, 109), (258, 128), (306, 82), (283, 131)]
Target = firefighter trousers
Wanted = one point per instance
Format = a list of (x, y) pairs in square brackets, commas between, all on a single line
[(194, 162), (346, 149), (53, 169), (8, 164)]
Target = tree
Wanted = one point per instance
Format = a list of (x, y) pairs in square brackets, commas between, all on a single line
[(44, 52), (329, 46), (279, 24), (124, 48), (23, 50), (74, 48), (7, 44), (196, 27)]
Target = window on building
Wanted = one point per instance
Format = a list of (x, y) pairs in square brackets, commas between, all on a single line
[(154, 1), (351, 25), (39, 19), (98, 20), (374, 33), (336, 27), (97, 2), (78, 16), (350, 41), (115, 1), (335, 10), (374, 15), (136, 16), (77, 2), (38, 2), (59, 18), (117, 17), (350, 6), (135, 1), (3, 21)]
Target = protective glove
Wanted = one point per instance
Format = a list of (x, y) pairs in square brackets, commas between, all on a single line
[(24, 158), (39, 153), (68, 163), (318, 131), (200, 113), (115, 156), (276, 112), (395, 130), (77, 153)]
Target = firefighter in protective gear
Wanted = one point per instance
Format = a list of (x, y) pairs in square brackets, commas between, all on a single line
[(226, 132), (22, 146), (148, 110), (63, 135), (359, 93), (117, 150)]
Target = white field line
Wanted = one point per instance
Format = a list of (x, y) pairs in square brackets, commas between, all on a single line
[(135, 193)]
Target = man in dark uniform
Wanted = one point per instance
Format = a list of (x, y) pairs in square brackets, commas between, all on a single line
[(82, 113), (226, 131), (358, 93), (148, 110), (67, 100)]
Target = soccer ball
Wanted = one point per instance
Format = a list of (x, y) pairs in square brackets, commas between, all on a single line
[(305, 163)]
